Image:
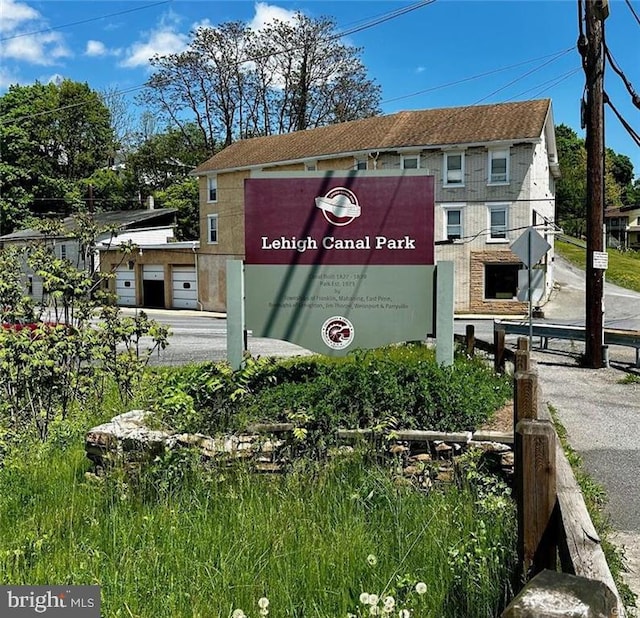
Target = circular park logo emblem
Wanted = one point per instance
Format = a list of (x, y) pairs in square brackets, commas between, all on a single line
[(337, 332), (339, 206)]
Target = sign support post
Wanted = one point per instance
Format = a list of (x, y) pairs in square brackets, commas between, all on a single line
[(235, 313), (444, 313)]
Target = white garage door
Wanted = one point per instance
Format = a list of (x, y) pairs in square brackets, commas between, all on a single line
[(153, 272), (185, 287), (126, 286)]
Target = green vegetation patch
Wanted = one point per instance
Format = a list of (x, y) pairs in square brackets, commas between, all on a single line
[(181, 541), (624, 266), (400, 386)]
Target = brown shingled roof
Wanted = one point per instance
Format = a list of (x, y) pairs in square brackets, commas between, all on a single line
[(447, 126)]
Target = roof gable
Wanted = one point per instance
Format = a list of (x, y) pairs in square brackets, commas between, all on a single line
[(432, 127)]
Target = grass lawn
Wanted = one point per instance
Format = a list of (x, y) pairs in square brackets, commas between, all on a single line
[(178, 542), (624, 267)]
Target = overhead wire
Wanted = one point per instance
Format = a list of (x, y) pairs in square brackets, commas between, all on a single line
[(376, 21), (633, 11), (471, 78), (634, 95), (83, 21)]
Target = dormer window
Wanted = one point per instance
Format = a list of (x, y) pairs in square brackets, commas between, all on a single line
[(499, 166), (453, 169)]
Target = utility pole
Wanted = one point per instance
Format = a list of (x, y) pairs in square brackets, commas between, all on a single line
[(593, 63)]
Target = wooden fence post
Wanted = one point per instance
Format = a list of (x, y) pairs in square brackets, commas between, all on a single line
[(498, 346), (525, 397), (470, 340), (535, 469)]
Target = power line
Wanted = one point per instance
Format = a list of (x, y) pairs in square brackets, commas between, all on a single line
[(630, 130), (473, 77), (633, 11), (547, 84), (634, 95), (370, 24), (84, 21)]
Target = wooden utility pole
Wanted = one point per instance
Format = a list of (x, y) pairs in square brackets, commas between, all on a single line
[(593, 62)]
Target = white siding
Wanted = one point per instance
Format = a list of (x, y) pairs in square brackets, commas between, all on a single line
[(152, 236)]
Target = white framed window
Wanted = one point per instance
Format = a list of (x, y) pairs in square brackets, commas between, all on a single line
[(361, 163), (212, 229), (498, 222), (453, 169), (498, 166), (410, 161), (212, 189), (453, 221), (63, 251)]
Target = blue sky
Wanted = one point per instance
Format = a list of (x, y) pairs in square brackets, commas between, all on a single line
[(492, 51)]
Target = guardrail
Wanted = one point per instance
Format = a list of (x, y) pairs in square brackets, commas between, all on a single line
[(612, 336)]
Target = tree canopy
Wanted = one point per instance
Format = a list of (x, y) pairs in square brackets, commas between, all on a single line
[(52, 136), (233, 82), (571, 191)]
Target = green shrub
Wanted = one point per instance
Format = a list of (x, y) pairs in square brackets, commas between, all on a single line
[(399, 386)]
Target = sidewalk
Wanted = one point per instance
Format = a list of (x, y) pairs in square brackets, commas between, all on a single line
[(602, 419)]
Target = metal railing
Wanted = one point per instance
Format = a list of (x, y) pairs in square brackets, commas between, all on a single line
[(612, 336)]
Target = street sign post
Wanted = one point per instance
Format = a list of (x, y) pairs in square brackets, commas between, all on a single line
[(530, 247)]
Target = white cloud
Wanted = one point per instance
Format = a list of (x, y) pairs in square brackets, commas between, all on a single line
[(162, 41), (95, 48), (7, 78), (44, 48), (421, 69), (15, 14), (266, 13)]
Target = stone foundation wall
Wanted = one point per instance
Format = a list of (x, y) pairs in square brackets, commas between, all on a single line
[(425, 457), (477, 302)]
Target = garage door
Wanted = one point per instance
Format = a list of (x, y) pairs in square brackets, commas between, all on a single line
[(153, 285), (126, 286), (185, 287)]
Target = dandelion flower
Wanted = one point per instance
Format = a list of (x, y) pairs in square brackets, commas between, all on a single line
[(263, 602), (374, 610), (404, 613), (421, 587), (264, 611), (238, 613), (372, 560), (373, 599), (364, 598), (389, 601)]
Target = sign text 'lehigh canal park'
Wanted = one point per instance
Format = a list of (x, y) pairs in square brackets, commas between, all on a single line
[(340, 260)]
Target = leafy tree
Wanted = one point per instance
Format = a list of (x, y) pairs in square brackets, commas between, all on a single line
[(52, 136), (51, 371), (183, 196), (165, 158), (234, 83), (571, 192)]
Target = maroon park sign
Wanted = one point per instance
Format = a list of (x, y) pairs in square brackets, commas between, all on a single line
[(340, 220)]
